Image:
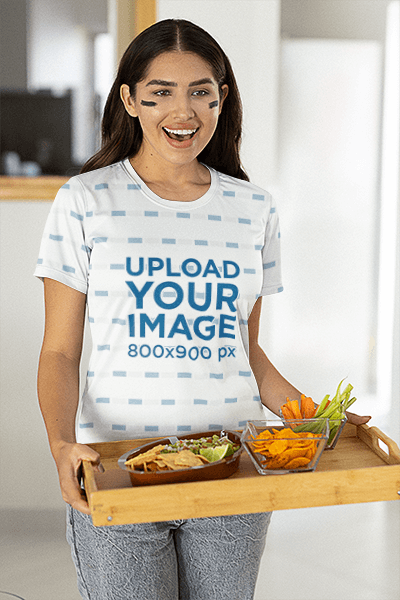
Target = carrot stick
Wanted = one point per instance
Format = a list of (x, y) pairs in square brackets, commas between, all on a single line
[(287, 413), (307, 407), (302, 399), (294, 406)]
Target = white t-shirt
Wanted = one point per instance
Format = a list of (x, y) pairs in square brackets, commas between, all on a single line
[(170, 286)]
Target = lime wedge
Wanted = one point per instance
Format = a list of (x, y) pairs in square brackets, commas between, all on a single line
[(208, 453), (222, 451), (218, 453)]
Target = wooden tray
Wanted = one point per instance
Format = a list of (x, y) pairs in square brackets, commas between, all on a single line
[(357, 470)]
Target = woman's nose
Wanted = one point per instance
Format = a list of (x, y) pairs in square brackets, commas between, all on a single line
[(183, 108)]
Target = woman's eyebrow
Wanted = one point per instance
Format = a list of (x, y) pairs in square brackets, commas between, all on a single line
[(201, 82), (174, 84), (162, 82)]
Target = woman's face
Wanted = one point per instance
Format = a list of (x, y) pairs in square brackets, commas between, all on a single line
[(178, 105)]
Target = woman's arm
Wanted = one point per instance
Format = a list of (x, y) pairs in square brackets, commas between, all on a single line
[(58, 386), (273, 388)]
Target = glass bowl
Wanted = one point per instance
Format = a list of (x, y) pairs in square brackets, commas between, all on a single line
[(274, 448)]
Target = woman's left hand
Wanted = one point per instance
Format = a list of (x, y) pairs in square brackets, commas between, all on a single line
[(356, 419)]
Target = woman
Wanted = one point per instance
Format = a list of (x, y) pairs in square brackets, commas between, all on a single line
[(171, 248)]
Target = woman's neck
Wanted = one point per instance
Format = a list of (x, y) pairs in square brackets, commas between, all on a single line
[(183, 183)]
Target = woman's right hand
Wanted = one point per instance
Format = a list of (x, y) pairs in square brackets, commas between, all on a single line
[(68, 457)]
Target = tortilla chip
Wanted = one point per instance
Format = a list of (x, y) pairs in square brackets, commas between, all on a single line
[(295, 463), (145, 456), (277, 462), (277, 447), (264, 435), (186, 457), (286, 432), (182, 460), (291, 453)]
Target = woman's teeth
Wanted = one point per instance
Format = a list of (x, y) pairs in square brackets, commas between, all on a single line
[(180, 134)]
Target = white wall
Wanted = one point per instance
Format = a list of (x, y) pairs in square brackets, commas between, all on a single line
[(323, 326), (335, 19)]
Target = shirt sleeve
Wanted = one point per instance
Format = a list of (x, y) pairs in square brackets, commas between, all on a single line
[(64, 254), (271, 255)]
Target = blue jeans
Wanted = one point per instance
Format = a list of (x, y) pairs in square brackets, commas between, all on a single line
[(215, 558)]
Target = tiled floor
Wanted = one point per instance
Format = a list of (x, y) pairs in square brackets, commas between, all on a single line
[(333, 553)]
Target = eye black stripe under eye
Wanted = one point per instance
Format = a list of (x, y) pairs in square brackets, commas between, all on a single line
[(213, 104), (147, 103)]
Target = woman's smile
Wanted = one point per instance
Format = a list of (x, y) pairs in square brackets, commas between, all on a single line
[(180, 134), (180, 138)]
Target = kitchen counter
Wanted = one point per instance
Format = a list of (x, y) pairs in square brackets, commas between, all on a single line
[(30, 188)]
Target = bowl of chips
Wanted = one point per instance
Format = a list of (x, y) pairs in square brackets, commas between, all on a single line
[(275, 448), (178, 459)]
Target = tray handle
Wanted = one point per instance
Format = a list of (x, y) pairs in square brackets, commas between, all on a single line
[(89, 480), (372, 435)]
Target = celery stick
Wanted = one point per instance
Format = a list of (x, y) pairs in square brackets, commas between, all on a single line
[(321, 407), (333, 412), (346, 394), (315, 427), (349, 403), (334, 399)]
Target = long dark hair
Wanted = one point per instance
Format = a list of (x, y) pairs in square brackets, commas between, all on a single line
[(122, 134)]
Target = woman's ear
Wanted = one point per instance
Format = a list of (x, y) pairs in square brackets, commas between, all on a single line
[(127, 100), (224, 93)]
